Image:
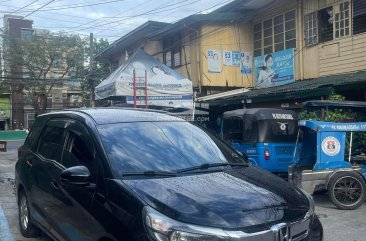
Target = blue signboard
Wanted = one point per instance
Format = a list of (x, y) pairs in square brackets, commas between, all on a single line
[(274, 69)]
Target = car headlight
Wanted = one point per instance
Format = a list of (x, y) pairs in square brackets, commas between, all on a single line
[(163, 228)]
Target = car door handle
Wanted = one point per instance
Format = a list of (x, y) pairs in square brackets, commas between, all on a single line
[(29, 163), (100, 198), (55, 186)]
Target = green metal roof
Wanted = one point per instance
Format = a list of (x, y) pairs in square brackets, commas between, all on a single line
[(298, 90)]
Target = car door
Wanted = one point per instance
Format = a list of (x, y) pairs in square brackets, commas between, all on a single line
[(48, 152), (72, 219)]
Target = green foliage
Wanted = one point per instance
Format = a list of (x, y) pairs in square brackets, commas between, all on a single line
[(306, 114), (337, 115), (99, 72), (42, 62), (334, 115)]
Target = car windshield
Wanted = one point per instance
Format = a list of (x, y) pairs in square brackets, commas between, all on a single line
[(162, 146)]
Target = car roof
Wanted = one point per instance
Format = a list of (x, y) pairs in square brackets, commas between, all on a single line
[(102, 116)]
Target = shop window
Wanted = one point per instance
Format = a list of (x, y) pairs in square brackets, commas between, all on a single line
[(279, 43), (359, 16), (267, 36), (168, 58), (176, 59), (342, 20), (258, 39), (172, 58), (311, 29), (331, 23), (275, 34), (325, 17), (290, 30)]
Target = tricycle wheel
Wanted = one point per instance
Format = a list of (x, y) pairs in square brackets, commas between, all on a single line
[(347, 190)]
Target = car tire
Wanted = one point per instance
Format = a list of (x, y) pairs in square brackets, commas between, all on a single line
[(27, 228), (347, 190)]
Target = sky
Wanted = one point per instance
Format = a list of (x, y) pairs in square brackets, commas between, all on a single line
[(109, 19)]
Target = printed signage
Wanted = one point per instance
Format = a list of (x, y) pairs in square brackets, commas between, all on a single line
[(331, 146), (274, 69), (214, 61), (227, 58), (235, 55), (282, 116), (246, 63)]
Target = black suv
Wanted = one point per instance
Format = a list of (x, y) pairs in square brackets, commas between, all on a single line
[(120, 174)]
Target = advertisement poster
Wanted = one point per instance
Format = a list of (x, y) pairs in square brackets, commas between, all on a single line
[(214, 61), (274, 69), (235, 55), (227, 58), (246, 63)]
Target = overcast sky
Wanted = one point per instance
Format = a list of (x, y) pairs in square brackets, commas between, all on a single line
[(105, 18)]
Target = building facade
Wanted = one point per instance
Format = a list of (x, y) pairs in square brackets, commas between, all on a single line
[(283, 51)]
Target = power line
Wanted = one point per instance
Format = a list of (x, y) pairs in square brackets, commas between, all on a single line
[(137, 15), (189, 41), (39, 8), (108, 17), (71, 6), (22, 8)]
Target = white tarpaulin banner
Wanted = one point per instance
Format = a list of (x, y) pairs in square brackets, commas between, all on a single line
[(165, 87)]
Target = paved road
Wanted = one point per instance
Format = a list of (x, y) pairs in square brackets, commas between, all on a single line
[(338, 225)]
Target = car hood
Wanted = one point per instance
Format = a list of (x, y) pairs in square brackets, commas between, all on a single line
[(233, 198)]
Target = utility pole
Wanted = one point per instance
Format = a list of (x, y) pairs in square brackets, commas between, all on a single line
[(91, 69)]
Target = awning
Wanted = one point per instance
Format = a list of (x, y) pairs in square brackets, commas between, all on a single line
[(303, 89)]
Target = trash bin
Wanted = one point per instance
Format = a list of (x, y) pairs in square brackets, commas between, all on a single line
[(2, 146)]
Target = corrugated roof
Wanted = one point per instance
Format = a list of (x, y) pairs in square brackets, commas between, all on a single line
[(297, 90), (130, 38)]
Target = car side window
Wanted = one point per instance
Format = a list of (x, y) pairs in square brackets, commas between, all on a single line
[(50, 142), (78, 152), (32, 135)]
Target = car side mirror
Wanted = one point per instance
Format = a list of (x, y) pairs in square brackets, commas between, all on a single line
[(75, 176)]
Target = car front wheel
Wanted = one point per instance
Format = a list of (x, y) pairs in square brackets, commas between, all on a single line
[(347, 190), (27, 229)]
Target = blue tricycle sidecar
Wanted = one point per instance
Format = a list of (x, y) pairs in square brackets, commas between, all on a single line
[(326, 164)]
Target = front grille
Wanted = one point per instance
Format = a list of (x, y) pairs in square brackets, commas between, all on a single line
[(297, 231)]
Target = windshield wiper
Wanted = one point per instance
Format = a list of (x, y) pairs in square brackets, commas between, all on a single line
[(149, 173), (209, 165)]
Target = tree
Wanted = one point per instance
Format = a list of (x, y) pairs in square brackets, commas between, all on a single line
[(37, 64), (99, 71)]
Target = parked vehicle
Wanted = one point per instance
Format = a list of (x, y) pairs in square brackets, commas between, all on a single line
[(266, 136), (120, 174), (326, 164)]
